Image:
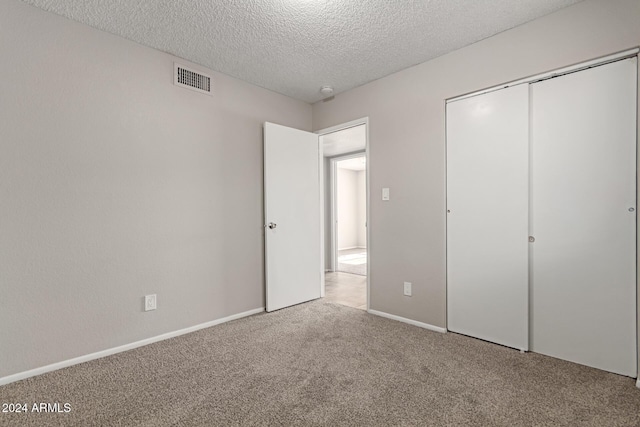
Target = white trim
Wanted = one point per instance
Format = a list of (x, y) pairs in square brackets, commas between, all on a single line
[(347, 125), (638, 383), (333, 187), (409, 321), (111, 351), (321, 193), (343, 126), (347, 156), (333, 166), (555, 73), (368, 219), (333, 202)]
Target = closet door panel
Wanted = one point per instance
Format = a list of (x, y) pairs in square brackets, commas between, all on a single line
[(583, 146), (487, 219)]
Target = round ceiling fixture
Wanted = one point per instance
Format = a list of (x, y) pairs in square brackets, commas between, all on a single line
[(326, 90)]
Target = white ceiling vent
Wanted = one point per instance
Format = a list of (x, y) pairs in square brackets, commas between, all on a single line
[(183, 76)]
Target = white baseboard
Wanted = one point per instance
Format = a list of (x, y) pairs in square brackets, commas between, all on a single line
[(349, 247), (108, 352), (638, 383), (409, 321)]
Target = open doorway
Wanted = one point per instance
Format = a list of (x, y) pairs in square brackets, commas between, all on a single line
[(346, 202), (350, 213)]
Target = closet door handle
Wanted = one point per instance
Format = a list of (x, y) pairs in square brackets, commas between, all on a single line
[(532, 239)]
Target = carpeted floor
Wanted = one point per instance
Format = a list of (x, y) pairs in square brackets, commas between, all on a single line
[(325, 364)]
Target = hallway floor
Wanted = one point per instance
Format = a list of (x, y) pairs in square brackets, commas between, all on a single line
[(353, 261), (346, 289)]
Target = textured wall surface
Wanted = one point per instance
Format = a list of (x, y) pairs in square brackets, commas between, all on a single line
[(296, 46), (114, 183), (407, 139)]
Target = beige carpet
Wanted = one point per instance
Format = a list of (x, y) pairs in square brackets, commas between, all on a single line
[(326, 364)]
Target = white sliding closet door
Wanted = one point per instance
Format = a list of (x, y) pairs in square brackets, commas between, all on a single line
[(583, 146), (487, 225)]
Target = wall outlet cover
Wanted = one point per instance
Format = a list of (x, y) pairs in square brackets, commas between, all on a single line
[(407, 289), (150, 302)]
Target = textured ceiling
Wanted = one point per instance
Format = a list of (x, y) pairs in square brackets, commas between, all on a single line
[(296, 46)]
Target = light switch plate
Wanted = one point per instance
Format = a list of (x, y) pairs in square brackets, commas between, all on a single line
[(385, 194), (407, 289)]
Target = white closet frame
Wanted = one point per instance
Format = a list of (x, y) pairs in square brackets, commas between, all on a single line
[(513, 328), (550, 74)]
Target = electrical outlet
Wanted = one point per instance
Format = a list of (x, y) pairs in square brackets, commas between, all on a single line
[(150, 302), (407, 289)]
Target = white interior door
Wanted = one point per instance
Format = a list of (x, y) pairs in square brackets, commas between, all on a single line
[(583, 131), (487, 219), (292, 216)]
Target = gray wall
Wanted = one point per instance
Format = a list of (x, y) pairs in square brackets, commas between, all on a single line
[(347, 208), (114, 183), (407, 138), (361, 225)]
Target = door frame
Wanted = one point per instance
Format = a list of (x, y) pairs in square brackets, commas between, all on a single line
[(633, 52), (362, 121), (333, 200)]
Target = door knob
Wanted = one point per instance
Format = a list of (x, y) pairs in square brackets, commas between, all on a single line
[(272, 225)]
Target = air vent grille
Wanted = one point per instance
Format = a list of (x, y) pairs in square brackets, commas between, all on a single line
[(182, 76)]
